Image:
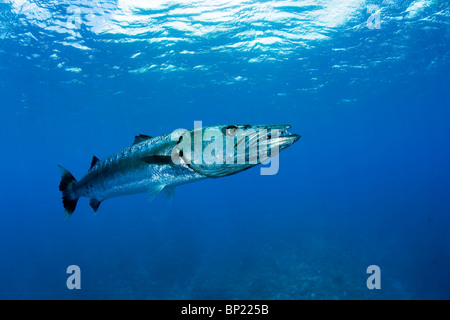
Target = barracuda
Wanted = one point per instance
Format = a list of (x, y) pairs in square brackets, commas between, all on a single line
[(160, 164)]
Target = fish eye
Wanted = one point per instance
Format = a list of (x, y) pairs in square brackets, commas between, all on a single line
[(231, 131), (181, 153)]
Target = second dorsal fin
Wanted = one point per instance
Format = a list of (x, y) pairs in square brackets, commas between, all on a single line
[(94, 161), (141, 137)]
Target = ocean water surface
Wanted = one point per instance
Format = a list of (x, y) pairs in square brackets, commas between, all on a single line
[(365, 83)]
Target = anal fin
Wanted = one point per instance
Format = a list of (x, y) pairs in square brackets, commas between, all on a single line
[(94, 204)]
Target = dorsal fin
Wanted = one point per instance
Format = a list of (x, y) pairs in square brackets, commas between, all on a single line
[(141, 137), (94, 161)]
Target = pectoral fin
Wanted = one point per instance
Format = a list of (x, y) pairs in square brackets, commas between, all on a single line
[(154, 191), (158, 159)]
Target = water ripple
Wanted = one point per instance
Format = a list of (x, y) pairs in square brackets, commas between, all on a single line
[(172, 36), (177, 21)]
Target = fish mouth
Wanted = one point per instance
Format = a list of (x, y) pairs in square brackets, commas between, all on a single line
[(282, 138), (264, 141), (277, 136)]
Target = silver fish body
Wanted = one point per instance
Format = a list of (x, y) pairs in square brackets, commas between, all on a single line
[(149, 165)]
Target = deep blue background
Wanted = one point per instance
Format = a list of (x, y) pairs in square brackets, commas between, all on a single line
[(368, 182)]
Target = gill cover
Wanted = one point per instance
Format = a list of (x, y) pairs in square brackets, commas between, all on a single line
[(218, 151)]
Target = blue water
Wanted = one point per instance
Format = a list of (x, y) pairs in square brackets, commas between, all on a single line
[(367, 184)]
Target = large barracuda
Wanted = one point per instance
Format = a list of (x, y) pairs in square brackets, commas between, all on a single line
[(162, 163)]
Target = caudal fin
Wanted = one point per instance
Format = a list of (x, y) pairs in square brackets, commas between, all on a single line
[(68, 198)]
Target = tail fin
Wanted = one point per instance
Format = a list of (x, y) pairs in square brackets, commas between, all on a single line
[(69, 200)]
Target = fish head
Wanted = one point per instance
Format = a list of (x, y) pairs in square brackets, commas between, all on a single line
[(218, 151)]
